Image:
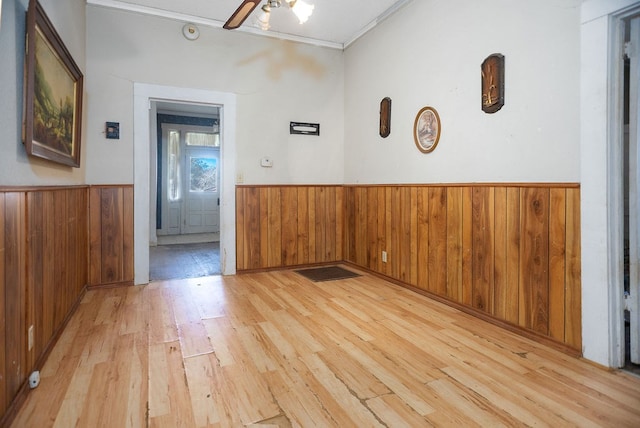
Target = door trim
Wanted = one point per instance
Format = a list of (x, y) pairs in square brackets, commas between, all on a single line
[(600, 179), (143, 95)]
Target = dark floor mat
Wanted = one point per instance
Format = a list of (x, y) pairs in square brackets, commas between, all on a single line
[(327, 273)]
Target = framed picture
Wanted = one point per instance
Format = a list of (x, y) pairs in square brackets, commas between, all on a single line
[(426, 129), (492, 77), (53, 93)]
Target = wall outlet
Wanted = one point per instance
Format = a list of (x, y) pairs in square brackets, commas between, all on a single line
[(384, 257), (239, 178), (30, 338)]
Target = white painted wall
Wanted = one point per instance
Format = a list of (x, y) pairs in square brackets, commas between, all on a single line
[(429, 54), (275, 82), (16, 168)]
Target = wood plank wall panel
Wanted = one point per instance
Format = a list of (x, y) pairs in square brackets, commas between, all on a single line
[(57, 253), (14, 308), (15, 291), (111, 235), (573, 276), (4, 399), (483, 249), (510, 251), (35, 289), (280, 226), (43, 272)]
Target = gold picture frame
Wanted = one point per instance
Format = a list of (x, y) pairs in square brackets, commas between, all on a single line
[(53, 93), (426, 129)]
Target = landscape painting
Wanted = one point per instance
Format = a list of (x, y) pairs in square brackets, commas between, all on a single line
[(53, 94)]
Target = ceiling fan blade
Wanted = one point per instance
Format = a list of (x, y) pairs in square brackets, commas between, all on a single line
[(242, 12)]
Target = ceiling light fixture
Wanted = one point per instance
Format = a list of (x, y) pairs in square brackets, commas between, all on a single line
[(300, 8), (262, 20)]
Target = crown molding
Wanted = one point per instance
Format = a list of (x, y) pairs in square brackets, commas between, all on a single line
[(383, 16)]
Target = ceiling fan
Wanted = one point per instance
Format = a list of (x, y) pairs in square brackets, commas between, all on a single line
[(299, 7)]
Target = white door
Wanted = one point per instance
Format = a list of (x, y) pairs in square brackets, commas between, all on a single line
[(190, 170), (201, 208)]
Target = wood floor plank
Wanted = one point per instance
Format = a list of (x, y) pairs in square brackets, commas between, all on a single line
[(138, 387), (275, 349), (293, 302), (201, 380), (194, 339), (350, 404), (218, 330), (74, 400), (246, 393), (484, 387), (338, 319), (177, 392), (360, 381), (159, 402), (162, 324), (400, 383), (394, 412), (258, 346), (478, 411), (108, 409), (134, 318), (209, 297), (297, 401), (563, 389)]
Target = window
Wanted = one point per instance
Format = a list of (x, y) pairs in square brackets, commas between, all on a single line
[(207, 139), (173, 166), (203, 175)]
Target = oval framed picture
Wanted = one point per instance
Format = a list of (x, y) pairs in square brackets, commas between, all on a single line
[(426, 129)]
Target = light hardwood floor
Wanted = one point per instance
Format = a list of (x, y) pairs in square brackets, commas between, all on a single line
[(274, 349)]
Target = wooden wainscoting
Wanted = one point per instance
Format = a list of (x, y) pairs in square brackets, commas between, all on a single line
[(283, 226), (111, 235), (511, 252), (43, 273), (508, 253)]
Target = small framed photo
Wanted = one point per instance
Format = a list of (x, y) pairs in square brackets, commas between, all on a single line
[(426, 129), (53, 93)]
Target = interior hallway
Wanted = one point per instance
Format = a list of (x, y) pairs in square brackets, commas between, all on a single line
[(277, 349)]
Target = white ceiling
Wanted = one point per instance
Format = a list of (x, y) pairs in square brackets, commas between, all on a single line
[(334, 23)]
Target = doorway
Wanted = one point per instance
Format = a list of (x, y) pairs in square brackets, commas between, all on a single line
[(187, 220), (631, 180), (146, 96)]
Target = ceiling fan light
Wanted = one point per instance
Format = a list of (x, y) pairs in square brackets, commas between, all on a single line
[(302, 9), (262, 21)]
